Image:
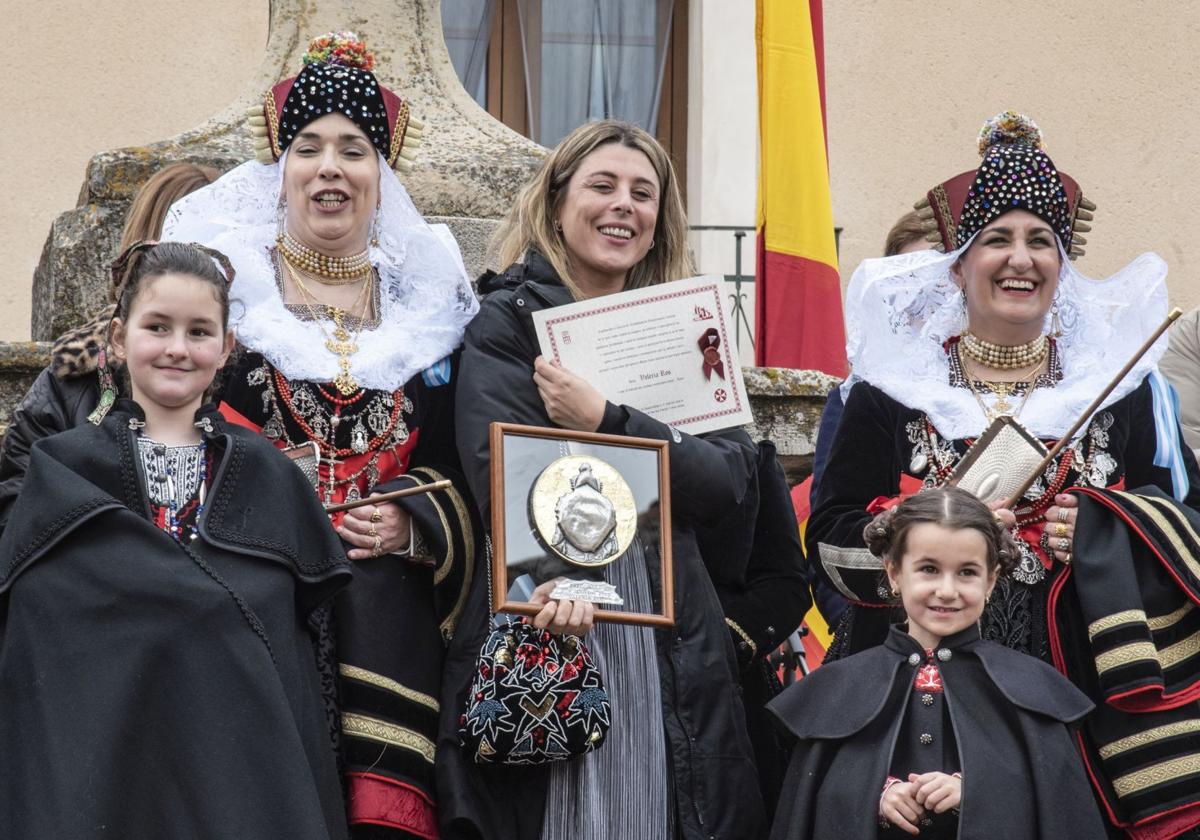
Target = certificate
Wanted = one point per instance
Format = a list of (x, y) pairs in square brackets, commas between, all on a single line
[(664, 350)]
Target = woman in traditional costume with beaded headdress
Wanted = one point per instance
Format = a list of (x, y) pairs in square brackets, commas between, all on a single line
[(348, 308), (1002, 327)]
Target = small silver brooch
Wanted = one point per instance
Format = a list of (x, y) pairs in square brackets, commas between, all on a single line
[(944, 654), (914, 659)]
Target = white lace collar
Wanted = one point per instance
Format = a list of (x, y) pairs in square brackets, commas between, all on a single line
[(900, 311), (425, 296)]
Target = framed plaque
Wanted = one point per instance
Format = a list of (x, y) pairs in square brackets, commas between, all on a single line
[(590, 511)]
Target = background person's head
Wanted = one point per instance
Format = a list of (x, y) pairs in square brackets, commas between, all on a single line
[(161, 190), (604, 209), (907, 235)]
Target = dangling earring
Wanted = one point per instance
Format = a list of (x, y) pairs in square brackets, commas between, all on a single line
[(280, 216), (375, 227), (1055, 321), (964, 318), (558, 225)]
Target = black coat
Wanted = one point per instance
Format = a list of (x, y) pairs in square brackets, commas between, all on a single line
[(1021, 774), (154, 690), (713, 773), (52, 404)]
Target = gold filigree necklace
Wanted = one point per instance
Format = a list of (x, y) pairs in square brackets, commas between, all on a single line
[(1003, 391), (341, 344)]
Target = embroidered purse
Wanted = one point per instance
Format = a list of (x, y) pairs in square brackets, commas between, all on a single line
[(536, 697)]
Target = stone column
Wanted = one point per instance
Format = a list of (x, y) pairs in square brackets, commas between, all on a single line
[(468, 169)]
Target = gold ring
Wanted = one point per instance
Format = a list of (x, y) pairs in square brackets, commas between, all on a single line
[(1067, 561), (1064, 514), (376, 516), (378, 545), (1060, 530), (373, 532)]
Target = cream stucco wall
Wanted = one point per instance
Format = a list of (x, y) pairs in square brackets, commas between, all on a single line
[(84, 77), (1112, 84)]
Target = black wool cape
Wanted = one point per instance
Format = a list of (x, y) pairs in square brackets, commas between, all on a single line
[(1021, 773), (149, 689)]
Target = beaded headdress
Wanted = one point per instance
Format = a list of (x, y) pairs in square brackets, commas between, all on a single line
[(336, 79), (1016, 173)]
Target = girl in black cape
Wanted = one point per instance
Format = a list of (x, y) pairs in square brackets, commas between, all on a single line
[(936, 733), (160, 577)]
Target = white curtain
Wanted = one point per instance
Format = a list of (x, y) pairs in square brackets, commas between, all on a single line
[(467, 27), (592, 59)]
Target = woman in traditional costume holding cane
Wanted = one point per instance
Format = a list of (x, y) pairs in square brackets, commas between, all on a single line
[(1000, 325), (348, 309)]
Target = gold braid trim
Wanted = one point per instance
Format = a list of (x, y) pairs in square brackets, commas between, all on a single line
[(946, 215), (273, 122), (450, 622), (1150, 736), (353, 672), (398, 134), (1115, 620), (373, 729), (1155, 774), (426, 476), (1162, 622), (1182, 650), (737, 628), (1155, 508), (1125, 655)]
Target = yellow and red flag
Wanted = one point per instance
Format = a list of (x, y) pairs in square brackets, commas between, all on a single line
[(798, 294)]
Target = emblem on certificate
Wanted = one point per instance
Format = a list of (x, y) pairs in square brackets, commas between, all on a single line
[(583, 516)]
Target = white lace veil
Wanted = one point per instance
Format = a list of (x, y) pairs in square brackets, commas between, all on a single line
[(425, 296), (900, 310)]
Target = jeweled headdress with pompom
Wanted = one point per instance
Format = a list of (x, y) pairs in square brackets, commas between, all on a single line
[(1016, 173), (336, 79)]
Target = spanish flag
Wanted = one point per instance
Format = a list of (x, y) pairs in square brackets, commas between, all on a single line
[(798, 296)]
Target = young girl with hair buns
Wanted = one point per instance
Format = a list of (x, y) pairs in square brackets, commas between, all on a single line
[(936, 733)]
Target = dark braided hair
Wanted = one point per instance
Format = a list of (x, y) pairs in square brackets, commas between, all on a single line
[(950, 507), (146, 260)]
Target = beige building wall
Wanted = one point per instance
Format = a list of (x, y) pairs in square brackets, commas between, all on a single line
[(82, 77), (1111, 83)]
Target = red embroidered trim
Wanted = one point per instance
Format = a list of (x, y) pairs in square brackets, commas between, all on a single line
[(378, 800)]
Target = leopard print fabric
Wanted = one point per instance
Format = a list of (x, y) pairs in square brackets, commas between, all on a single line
[(77, 353)]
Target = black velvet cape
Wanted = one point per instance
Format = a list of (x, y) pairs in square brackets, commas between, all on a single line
[(151, 689), (1021, 773)]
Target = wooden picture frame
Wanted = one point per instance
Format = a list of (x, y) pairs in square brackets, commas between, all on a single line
[(519, 452)]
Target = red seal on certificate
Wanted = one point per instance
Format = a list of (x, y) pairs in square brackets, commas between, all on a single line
[(710, 344)]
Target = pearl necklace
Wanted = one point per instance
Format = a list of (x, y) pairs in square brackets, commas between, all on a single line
[(332, 271), (1005, 357)]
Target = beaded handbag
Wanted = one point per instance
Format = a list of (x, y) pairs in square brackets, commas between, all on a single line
[(536, 697)]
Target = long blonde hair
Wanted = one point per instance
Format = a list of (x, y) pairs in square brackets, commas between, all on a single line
[(530, 222)]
